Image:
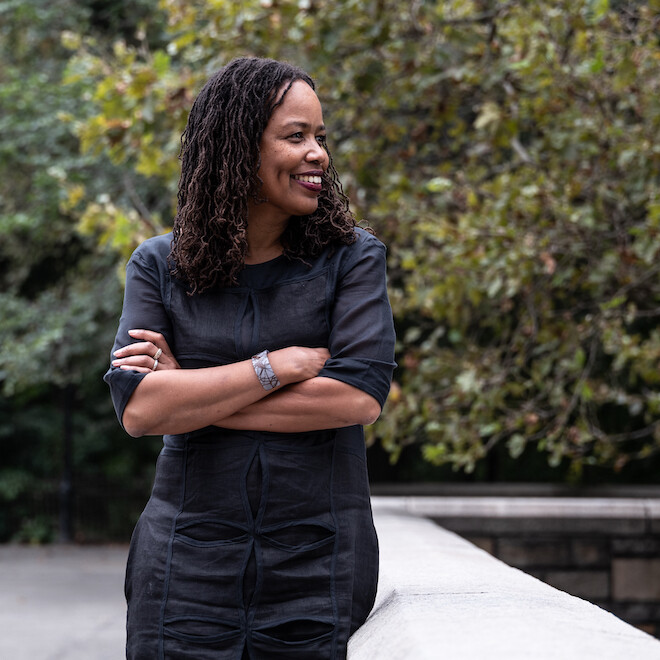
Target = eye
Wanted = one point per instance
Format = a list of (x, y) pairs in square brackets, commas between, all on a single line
[(322, 140), (297, 136)]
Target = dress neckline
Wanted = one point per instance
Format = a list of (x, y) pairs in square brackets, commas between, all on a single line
[(265, 263)]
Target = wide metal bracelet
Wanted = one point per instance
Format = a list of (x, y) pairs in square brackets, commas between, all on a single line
[(264, 371)]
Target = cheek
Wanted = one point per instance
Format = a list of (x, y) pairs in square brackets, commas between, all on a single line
[(276, 162)]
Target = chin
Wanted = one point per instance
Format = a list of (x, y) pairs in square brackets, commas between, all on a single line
[(307, 209)]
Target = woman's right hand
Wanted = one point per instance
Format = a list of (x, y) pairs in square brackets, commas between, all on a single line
[(296, 363)]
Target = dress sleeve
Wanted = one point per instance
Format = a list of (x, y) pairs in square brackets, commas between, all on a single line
[(143, 308), (361, 327)]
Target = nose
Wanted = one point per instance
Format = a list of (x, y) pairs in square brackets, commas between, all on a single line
[(317, 153)]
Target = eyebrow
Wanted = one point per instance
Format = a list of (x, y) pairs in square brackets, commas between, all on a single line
[(303, 125)]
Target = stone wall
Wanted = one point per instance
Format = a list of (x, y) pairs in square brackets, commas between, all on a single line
[(603, 549), (619, 573), (440, 596)]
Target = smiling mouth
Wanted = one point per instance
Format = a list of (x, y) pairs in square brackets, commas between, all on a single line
[(310, 182), (307, 179)]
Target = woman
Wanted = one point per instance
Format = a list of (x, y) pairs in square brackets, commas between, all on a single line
[(257, 338)]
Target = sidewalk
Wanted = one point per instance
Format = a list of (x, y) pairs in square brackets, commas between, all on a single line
[(62, 602)]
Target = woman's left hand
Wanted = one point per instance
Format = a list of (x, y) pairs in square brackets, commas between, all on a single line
[(150, 354)]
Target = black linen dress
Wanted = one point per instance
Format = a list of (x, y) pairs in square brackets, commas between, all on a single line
[(258, 545)]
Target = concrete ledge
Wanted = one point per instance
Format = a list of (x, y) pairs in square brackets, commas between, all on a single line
[(441, 597), (526, 507), (625, 516), (508, 489)]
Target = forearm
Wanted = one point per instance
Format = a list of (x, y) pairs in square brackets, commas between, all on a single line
[(312, 405), (184, 400)]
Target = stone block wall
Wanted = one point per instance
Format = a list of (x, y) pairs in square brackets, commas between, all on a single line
[(439, 596), (621, 575), (603, 549)]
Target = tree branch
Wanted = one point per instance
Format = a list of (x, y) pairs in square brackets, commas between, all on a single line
[(139, 205)]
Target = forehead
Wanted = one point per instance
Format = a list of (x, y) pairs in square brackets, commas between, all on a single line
[(300, 105)]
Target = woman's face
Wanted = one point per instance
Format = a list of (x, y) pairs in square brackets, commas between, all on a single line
[(293, 156)]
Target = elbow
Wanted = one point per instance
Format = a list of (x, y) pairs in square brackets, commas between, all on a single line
[(133, 430), (134, 423), (369, 411), (142, 416)]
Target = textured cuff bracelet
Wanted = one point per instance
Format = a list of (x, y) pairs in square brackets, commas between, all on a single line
[(264, 371)]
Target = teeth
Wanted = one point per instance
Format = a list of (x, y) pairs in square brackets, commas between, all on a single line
[(308, 179)]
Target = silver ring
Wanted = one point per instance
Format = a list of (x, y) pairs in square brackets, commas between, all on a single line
[(159, 352), (155, 365)]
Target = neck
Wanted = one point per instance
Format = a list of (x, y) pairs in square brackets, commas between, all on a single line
[(260, 255), (264, 242)]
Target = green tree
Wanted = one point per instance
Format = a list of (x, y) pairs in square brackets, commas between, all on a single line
[(59, 294), (506, 154)]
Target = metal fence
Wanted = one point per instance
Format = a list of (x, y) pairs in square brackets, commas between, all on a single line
[(88, 512)]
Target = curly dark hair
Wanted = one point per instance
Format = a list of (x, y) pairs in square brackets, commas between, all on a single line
[(220, 158)]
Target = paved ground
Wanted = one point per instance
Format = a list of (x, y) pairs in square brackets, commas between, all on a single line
[(62, 602)]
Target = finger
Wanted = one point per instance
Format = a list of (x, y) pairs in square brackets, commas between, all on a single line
[(135, 361), (156, 338), (146, 362), (141, 370), (138, 348)]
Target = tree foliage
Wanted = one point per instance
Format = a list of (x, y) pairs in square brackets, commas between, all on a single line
[(505, 151), (59, 293)]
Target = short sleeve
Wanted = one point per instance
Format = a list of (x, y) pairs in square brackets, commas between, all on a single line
[(144, 307), (362, 336)]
